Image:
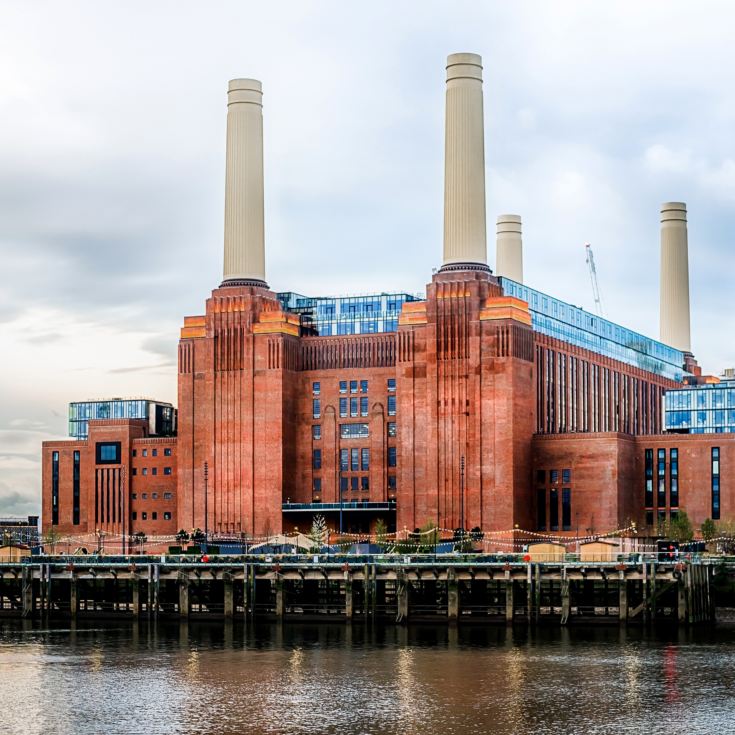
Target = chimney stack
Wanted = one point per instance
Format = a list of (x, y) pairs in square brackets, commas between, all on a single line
[(465, 239), (244, 262), (509, 248), (675, 277)]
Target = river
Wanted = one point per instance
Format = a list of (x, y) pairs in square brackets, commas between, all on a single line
[(211, 678)]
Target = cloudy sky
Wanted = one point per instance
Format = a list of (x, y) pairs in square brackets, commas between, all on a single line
[(112, 122)]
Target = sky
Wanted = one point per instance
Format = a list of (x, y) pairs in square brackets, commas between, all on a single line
[(112, 134)]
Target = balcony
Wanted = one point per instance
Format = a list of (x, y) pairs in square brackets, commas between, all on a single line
[(354, 505)]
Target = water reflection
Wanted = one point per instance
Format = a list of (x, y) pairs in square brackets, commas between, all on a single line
[(211, 678)]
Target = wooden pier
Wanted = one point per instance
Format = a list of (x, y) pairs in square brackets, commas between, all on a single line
[(388, 589)]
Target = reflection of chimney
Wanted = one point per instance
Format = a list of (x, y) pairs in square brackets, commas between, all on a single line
[(465, 244), (509, 248), (244, 232), (675, 277)]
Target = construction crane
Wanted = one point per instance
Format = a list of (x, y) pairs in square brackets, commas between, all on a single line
[(593, 278)]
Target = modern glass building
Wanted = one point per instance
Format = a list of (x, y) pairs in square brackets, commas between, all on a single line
[(335, 315), (578, 327), (701, 409), (161, 416)]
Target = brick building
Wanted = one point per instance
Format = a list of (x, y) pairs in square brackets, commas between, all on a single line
[(483, 403)]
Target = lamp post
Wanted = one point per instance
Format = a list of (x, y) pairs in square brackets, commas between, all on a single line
[(206, 505)]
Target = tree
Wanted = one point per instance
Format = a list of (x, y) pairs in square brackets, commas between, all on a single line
[(709, 529), (679, 528), (197, 536), (318, 533), (381, 532), (182, 537)]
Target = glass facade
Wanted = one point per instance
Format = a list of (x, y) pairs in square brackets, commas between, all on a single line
[(161, 417), (329, 316), (701, 409), (578, 327)]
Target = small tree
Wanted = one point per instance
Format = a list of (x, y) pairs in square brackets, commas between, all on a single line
[(182, 537), (680, 528), (197, 536), (51, 538), (318, 533), (709, 529), (381, 532)]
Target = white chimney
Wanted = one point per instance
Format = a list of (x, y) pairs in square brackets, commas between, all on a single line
[(675, 330), (465, 238), (509, 248), (244, 261)]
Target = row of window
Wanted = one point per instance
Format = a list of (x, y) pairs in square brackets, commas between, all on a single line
[(553, 515), (660, 479), (154, 515), (354, 483), (566, 476), (154, 471), (154, 452), (154, 496), (353, 408), (353, 385), (352, 431)]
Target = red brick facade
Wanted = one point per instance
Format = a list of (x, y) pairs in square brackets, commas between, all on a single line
[(458, 419)]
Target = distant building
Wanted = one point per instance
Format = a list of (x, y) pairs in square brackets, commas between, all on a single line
[(160, 416), (19, 530)]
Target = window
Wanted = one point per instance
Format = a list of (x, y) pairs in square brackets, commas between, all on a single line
[(166, 470), (353, 386), (144, 496), (674, 478), (566, 509), (154, 452), (342, 407), (363, 406), (392, 457), (392, 428), (343, 484), (316, 408), (354, 484), (554, 509), (154, 496), (145, 470), (154, 516), (135, 515), (566, 476), (154, 470), (365, 460), (108, 452), (354, 460), (144, 516), (391, 384), (344, 460), (365, 483), (55, 489), (661, 488), (316, 459), (167, 452), (135, 452), (145, 452), (343, 386), (391, 405), (316, 485), (316, 432), (541, 508), (649, 482), (715, 483), (167, 516), (391, 482), (354, 431), (168, 496), (316, 388), (649, 516), (353, 407), (134, 495), (363, 386), (554, 476), (541, 477), (76, 493)]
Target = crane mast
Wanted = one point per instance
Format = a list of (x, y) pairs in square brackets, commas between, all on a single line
[(590, 259)]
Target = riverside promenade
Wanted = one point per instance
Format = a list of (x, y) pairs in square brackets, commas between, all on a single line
[(465, 588)]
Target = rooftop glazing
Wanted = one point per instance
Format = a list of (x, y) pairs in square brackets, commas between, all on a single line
[(332, 315), (160, 416), (578, 327), (701, 409)]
